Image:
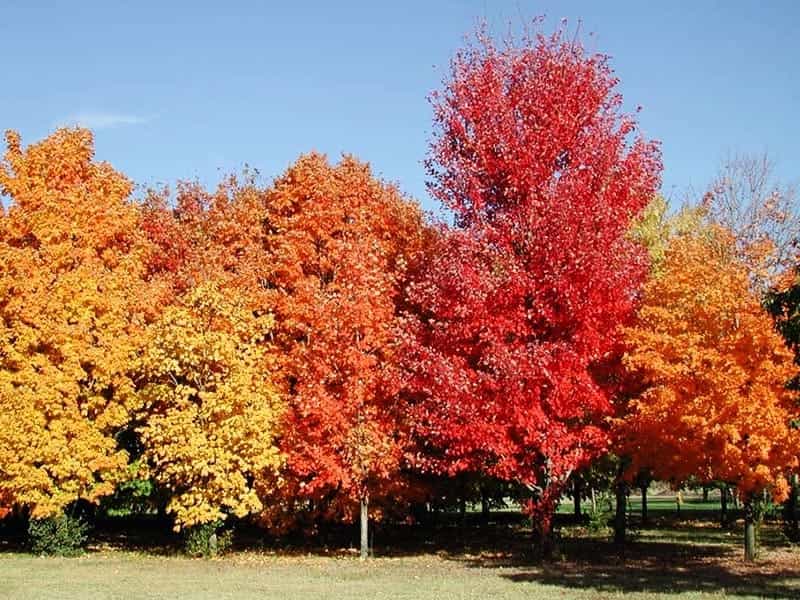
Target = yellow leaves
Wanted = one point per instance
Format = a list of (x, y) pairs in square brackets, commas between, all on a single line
[(654, 229), (212, 410)]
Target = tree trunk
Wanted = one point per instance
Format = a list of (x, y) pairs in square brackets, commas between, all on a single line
[(484, 506), (543, 539), (644, 504), (542, 517), (749, 531), (705, 493), (723, 498), (594, 503), (364, 527), (790, 511), (620, 517), (576, 497)]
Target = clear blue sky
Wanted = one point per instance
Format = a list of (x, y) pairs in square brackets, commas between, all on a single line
[(178, 90)]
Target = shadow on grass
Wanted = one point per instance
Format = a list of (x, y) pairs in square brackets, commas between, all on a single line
[(654, 567)]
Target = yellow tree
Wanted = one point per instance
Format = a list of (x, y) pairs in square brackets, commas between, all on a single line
[(211, 256), (70, 289), (713, 370), (211, 407)]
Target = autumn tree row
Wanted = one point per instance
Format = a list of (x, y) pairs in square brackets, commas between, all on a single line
[(310, 349)]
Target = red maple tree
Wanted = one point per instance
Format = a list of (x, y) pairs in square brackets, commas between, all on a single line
[(339, 243), (525, 294)]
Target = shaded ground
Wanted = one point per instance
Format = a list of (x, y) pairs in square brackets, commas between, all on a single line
[(689, 557)]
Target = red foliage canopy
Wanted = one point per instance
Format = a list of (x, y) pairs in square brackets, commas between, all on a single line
[(526, 293)]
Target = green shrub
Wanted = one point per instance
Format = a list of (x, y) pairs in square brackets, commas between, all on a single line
[(601, 514), (132, 497), (207, 540), (63, 535)]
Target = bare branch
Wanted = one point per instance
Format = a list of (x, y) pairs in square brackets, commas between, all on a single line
[(762, 213)]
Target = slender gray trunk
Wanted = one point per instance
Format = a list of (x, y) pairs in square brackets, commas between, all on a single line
[(723, 516), (576, 492), (644, 504), (749, 531), (364, 527)]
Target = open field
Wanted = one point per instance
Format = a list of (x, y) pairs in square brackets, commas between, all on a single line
[(687, 558), (124, 575)]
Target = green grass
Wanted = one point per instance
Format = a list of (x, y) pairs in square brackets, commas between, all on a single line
[(687, 558), (658, 504), (124, 575), (127, 576)]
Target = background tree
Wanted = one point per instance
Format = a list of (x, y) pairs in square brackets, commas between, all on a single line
[(784, 306), (71, 314), (543, 174), (202, 235), (762, 213), (655, 228), (714, 404)]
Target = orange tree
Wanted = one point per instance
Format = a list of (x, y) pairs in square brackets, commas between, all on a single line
[(71, 285), (339, 243), (713, 402)]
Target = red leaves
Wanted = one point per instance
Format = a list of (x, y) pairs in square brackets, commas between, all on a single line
[(520, 300), (338, 245)]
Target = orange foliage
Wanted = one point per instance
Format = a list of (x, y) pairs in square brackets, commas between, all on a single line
[(339, 242), (70, 296), (217, 236), (714, 404)]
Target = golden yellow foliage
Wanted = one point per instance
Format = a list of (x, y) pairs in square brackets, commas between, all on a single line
[(70, 284), (655, 227), (714, 403), (211, 407)]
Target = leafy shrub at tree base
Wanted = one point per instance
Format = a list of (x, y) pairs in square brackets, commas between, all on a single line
[(600, 515), (63, 535), (207, 540)]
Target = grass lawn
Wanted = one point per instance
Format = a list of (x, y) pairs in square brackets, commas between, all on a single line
[(688, 558)]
